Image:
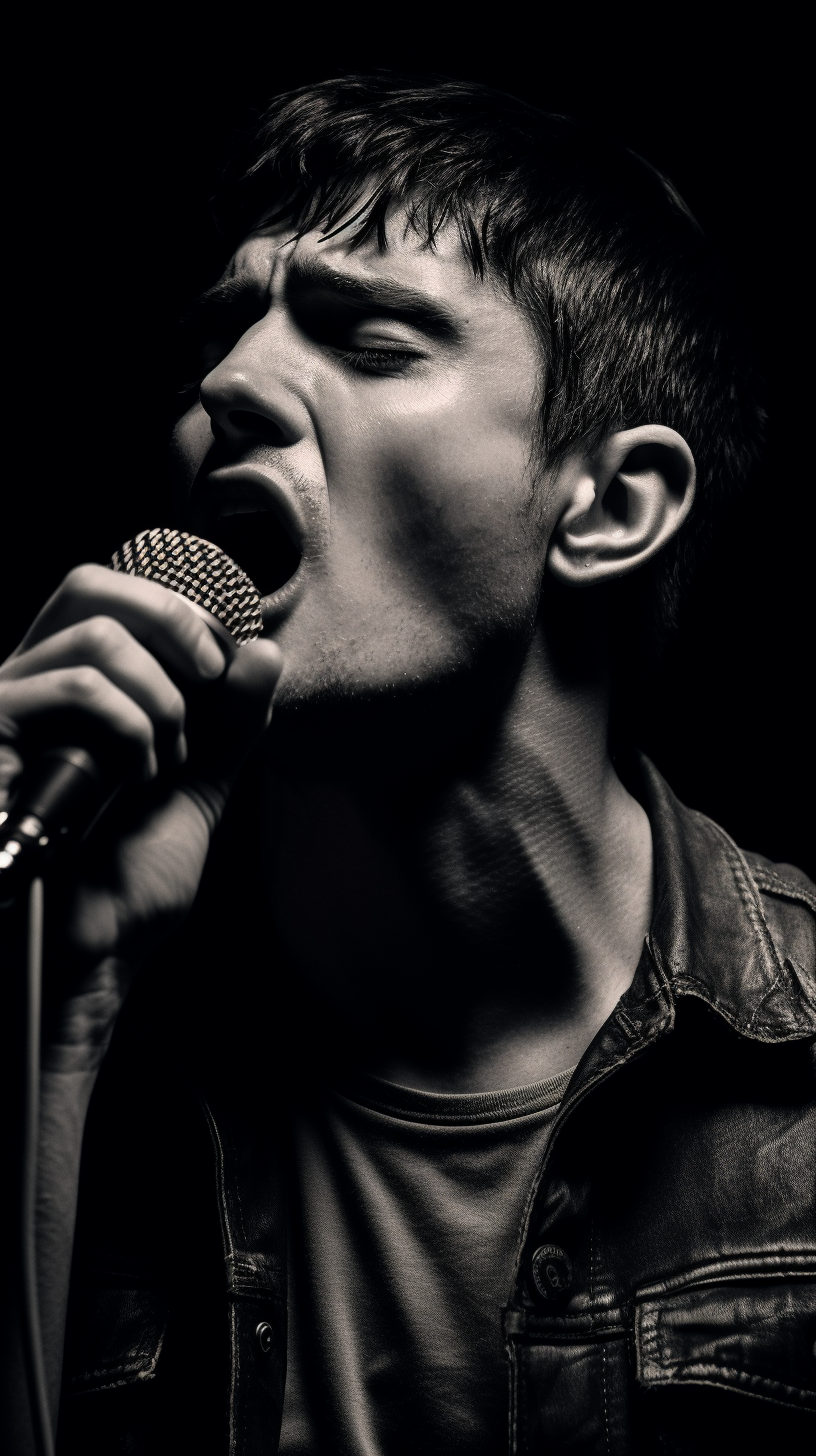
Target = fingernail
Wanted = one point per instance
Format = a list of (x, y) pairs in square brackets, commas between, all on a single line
[(181, 748), (209, 657), (151, 765)]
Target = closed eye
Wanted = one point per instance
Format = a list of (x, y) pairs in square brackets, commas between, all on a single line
[(368, 360), (368, 337)]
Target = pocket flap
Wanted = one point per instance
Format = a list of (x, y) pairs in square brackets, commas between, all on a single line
[(114, 1337), (754, 1337)]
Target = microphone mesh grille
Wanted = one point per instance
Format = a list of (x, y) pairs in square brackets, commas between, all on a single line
[(199, 570)]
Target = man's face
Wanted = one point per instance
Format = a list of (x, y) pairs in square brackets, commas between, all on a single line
[(382, 406)]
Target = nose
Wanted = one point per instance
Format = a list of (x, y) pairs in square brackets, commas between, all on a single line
[(249, 401)]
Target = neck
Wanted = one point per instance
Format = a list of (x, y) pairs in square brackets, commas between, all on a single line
[(469, 931)]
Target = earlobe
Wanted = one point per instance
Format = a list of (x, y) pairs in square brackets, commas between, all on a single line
[(620, 504)]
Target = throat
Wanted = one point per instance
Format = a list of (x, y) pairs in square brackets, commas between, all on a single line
[(473, 935)]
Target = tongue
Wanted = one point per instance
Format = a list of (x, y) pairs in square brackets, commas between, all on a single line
[(259, 544)]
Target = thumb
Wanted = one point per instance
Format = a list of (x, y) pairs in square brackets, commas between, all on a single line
[(226, 718)]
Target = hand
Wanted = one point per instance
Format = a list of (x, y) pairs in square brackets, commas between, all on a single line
[(128, 664)]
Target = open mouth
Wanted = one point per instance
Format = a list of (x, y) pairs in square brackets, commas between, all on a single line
[(260, 544)]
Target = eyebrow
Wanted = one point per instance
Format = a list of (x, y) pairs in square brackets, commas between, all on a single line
[(226, 291), (373, 295)]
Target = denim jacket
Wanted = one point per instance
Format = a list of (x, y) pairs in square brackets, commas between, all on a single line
[(665, 1291)]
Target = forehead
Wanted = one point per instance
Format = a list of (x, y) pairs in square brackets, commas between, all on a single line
[(271, 258)]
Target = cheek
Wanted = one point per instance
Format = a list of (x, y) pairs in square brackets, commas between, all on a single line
[(449, 487), (192, 438)]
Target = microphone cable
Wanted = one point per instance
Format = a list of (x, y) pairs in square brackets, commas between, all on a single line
[(29, 1296)]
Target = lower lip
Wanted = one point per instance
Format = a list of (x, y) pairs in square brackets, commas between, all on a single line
[(275, 605)]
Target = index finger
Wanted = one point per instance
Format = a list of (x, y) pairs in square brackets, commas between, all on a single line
[(160, 619)]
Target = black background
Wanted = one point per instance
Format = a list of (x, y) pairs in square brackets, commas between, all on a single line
[(120, 132)]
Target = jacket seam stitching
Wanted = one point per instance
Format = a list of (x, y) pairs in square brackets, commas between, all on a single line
[(514, 1397), (238, 1205), (226, 1234), (769, 883), (605, 1397), (747, 888), (712, 1368), (125, 1368), (798, 1265), (686, 981), (753, 1019), (221, 1179), (109, 1384), (523, 1402)]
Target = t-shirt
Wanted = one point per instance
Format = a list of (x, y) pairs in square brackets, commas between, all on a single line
[(406, 1217)]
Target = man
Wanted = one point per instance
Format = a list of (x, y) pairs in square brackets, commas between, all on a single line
[(479, 1078)]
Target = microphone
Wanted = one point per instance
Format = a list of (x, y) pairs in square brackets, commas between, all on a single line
[(63, 792)]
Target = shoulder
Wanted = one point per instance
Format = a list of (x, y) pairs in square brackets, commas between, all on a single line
[(730, 926), (788, 900)]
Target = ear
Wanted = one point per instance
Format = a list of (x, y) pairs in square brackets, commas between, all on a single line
[(620, 503)]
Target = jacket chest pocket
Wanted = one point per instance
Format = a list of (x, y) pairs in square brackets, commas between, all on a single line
[(727, 1363), (115, 1338)]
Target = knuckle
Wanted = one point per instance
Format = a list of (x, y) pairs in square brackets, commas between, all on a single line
[(185, 622), (176, 708), (10, 764), (100, 634), (84, 683), (140, 729), (82, 579), (178, 608)]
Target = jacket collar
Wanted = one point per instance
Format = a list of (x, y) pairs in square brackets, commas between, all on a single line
[(709, 937)]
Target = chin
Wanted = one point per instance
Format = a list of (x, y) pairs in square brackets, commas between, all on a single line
[(354, 668)]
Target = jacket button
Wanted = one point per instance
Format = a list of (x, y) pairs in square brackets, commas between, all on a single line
[(551, 1272), (264, 1334)]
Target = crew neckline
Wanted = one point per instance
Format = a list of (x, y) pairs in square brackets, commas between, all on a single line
[(412, 1105)]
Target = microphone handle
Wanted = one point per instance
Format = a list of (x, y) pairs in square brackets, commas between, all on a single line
[(57, 799)]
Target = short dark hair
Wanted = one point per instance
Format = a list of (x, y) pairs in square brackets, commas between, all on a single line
[(594, 243)]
